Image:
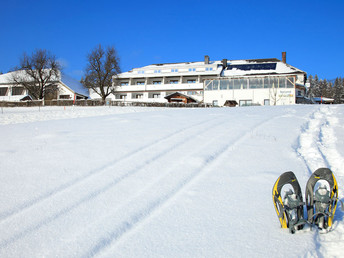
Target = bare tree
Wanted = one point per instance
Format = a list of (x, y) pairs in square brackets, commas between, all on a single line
[(103, 65), (37, 73)]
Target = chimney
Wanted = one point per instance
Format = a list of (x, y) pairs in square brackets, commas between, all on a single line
[(284, 57), (206, 59), (224, 63)]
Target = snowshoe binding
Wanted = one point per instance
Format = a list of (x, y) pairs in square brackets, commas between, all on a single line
[(321, 202), (289, 209)]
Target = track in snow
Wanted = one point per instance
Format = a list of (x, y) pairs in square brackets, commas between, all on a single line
[(136, 205), (317, 147)]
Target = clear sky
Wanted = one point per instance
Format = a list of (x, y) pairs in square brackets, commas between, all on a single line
[(149, 32)]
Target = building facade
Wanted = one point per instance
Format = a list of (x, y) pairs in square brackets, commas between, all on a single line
[(66, 88), (248, 82)]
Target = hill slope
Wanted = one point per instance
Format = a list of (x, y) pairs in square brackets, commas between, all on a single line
[(161, 182)]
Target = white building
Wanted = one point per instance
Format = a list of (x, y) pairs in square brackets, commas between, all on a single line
[(248, 82), (68, 88)]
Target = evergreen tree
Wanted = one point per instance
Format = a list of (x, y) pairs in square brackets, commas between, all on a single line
[(338, 90), (316, 88)]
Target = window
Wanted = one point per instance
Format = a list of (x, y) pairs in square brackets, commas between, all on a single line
[(174, 70), (191, 81), (64, 97), (3, 91), (141, 72), (243, 103), (140, 83), (290, 82), (156, 82), (123, 96), (174, 82), (193, 93), (255, 83), (157, 71), (224, 85), (215, 103), (156, 96), (192, 69), (266, 102), (124, 83), (209, 68), (17, 91), (139, 96)]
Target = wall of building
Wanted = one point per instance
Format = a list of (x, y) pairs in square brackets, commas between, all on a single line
[(10, 93), (251, 97)]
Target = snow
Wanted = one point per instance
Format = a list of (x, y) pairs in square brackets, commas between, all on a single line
[(74, 84), (157, 182)]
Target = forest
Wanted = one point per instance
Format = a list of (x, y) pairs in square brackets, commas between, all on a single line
[(333, 89)]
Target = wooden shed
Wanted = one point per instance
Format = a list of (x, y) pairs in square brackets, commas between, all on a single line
[(178, 97), (230, 103)]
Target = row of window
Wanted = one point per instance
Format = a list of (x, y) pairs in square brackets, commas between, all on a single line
[(157, 82), (250, 83), (175, 70), (152, 95), (246, 102), (15, 91)]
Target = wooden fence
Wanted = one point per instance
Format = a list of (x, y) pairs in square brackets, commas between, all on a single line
[(36, 103)]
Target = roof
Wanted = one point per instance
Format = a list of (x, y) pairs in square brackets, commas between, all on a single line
[(7, 77), (259, 67), (165, 70), (178, 93), (74, 84), (319, 99), (233, 68)]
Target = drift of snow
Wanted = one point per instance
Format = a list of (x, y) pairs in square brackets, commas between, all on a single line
[(156, 182)]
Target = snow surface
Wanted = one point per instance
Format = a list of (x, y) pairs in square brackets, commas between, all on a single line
[(157, 182)]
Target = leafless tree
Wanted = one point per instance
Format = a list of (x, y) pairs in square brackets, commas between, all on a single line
[(103, 65), (37, 73)]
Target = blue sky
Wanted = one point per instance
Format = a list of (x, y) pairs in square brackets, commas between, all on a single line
[(149, 32)]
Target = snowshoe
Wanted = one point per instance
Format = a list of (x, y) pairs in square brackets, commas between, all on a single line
[(321, 202), (290, 208)]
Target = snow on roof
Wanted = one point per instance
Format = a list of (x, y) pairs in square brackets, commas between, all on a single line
[(259, 66), (322, 99), (234, 68), (7, 77), (179, 93), (74, 84)]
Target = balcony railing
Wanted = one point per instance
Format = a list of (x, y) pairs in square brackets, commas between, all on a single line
[(160, 87)]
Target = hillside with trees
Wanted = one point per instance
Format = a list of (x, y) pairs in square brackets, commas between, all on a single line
[(327, 88)]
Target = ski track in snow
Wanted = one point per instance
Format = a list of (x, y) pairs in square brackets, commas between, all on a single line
[(139, 216), (137, 206), (317, 147), (108, 166), (90, 177)]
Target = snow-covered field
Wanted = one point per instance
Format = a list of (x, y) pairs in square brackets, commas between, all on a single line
[(156, 182)]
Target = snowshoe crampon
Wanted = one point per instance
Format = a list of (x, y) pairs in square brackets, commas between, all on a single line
[(289, 208), (321, 198)]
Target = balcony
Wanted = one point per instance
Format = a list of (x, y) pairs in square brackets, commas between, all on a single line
[(160, 87)]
